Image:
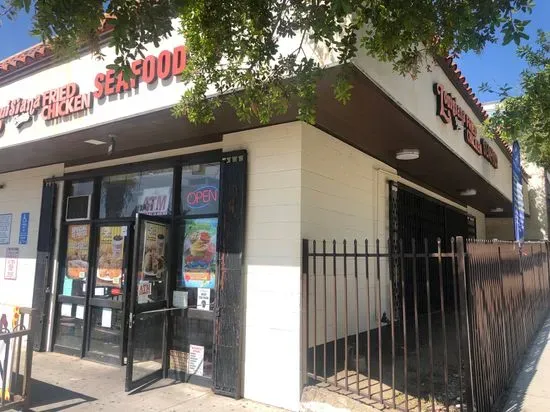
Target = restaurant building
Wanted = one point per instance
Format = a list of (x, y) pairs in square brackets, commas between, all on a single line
[(175, 249)]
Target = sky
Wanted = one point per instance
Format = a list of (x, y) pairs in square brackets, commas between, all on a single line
[(496, 65)]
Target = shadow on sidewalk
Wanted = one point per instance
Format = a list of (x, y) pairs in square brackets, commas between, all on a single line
[(528, 369), (50, 398)]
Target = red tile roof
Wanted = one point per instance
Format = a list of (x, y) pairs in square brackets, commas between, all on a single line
[(39, 52), (25, 58), (459, 81), (457, 78)]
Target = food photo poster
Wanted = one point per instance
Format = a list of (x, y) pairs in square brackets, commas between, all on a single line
[(111, 256), (199, 253)]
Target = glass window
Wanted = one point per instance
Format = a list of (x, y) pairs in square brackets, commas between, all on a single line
[(106, 328), (76, 265), (70, 325), (81, 188), (146, 192), (200, 185)]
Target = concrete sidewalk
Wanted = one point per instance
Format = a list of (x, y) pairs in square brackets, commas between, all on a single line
[(64, 383), (531, 390)]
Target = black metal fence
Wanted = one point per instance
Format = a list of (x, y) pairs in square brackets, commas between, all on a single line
[(465, 314), (16, 347)]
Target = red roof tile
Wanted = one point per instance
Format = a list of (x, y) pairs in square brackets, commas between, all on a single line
[(39, 52), (26, 57)]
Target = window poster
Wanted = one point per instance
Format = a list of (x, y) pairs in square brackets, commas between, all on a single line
[(77, 251), (155, 202), (110, 256), (199, 253), (154, 251)]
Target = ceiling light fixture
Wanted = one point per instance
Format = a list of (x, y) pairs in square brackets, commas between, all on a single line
[(94, 142), (497, 210), (468, 192), (407, 154)]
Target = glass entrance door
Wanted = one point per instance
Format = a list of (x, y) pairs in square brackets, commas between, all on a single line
[(106, 340), (147, 328)]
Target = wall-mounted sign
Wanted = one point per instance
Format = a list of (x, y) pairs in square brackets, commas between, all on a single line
[(517, 194), (12, 256), (67, 100), (24, 228), (450, 112), (148, 70), (5, 229), (52, 104)]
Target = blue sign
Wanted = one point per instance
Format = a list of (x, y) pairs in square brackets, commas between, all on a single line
[(24, 228), (517, 194)]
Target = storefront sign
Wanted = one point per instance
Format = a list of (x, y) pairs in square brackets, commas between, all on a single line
[(202, 197), (24, 228), (199, 253), (148, 70), (517, 194), (67, 99), (449, 111), (12, 257), (5, 229), (155, 202), (52, 104)]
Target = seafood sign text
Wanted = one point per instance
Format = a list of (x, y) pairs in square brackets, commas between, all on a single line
[(67, 100)]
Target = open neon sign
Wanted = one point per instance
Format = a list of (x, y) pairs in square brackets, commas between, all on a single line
[(202, 197)]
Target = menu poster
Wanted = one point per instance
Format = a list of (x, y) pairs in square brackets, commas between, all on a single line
[(12, 256), (110, 259), (195, 361), (199, 253), (77, 251), (154, 251), (155, 202)]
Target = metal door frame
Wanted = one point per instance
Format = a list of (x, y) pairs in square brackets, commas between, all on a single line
[(155, 307)]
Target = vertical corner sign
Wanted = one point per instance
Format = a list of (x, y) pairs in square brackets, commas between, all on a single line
[(24, 228), (517, 194)]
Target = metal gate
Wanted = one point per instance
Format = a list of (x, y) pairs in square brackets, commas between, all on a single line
[(457, 355)]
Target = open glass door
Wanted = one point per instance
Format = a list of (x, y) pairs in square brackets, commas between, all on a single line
[(148, 302)]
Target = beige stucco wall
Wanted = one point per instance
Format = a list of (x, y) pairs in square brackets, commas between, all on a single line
[(22, 192), (345, 196)]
